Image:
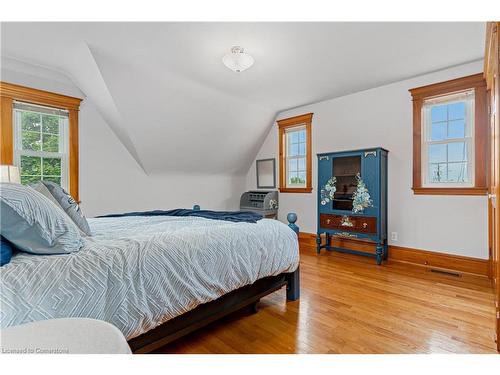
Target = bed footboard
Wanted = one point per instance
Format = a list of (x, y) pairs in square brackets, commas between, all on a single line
[(293, 278)]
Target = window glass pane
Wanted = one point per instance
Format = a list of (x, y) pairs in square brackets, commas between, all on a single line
[(438, 113), (302, 149), (51, 167), (457, 172), (294, 149), (456, 129), (438, 131), (30, 121), (456, 111), (302, 177), (448, 124), (294, 137), (50, 142), (296, 179), (39, 133), (292, 165), (302, 164), (31, 140), (437, 172), (457, 151), (50, 124), (31, 166), (437, 153), (302, 136)]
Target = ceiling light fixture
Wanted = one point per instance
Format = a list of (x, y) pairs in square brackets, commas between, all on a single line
[(238, 60)]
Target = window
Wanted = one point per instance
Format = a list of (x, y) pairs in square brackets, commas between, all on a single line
[(295, 154), (449, 137), (448, 143), (41, 144), (39, 133), (296, 157)]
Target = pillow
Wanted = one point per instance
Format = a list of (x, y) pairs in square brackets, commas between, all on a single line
[(45, 192), (32, 223), (5, 251), (57, 194)]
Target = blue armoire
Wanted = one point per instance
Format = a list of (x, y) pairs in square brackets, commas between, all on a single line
[(352, 199)]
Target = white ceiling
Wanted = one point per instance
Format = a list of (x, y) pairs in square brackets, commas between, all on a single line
[(165, 93)]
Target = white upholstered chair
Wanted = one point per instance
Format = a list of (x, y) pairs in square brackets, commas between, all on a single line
[(71, 335)]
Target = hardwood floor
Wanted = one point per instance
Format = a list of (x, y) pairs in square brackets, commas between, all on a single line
[(349, 305)]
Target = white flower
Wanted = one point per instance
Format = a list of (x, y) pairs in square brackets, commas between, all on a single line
[(361, 197)]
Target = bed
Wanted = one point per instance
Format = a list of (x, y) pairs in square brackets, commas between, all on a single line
[(155, 278)]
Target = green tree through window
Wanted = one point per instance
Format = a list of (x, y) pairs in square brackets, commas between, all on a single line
[(40, 154)]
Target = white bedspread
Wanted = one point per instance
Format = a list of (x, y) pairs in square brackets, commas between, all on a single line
[(138, 272)]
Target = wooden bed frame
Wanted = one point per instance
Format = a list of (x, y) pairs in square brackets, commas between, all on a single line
[(207, 313)]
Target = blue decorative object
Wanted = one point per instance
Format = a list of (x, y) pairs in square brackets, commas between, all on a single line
[(5, 251), (196, 207), (357, 207), (292, 218)]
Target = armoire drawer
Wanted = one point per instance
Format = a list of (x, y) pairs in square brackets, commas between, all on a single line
[(361, 224)]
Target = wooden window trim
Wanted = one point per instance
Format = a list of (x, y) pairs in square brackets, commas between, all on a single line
[(291, 122), (419, 94), (10, 92)]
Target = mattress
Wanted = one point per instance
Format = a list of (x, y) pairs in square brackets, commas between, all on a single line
[(138, 272)]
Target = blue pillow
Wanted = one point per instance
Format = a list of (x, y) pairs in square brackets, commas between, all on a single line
[(57, 194), (32, 223), (5, 251)]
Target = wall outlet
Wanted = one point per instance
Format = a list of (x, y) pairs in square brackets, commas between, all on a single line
[(394, 236)]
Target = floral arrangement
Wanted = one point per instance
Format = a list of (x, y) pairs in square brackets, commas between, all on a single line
[(273, 204), (361, 197), (328, 191)]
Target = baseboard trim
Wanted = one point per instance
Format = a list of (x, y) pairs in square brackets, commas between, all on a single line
[(424, 258)]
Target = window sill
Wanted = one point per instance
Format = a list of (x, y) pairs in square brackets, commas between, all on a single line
[(295, 190), (450, 191)]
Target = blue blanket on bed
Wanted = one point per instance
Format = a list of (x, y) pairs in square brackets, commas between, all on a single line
[(234, 216)]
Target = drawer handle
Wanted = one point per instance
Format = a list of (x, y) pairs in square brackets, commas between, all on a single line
[(328, 221), (365, 225)]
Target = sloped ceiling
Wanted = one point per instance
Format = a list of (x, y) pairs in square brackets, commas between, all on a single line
[(166, 95)]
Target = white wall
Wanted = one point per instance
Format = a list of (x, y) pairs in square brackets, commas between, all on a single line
[(110, 179), (383, 117)]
